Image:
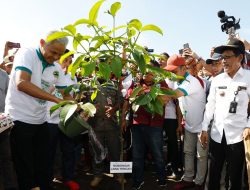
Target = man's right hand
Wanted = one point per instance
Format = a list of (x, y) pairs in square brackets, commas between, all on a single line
[(204, 139), (179, 131)]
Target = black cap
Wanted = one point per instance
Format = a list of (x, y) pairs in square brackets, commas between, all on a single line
[(215, 57), (233, 44)]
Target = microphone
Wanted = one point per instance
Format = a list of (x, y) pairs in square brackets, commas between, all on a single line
[(221, 14)]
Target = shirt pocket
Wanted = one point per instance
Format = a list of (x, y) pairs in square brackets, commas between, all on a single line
[(242, 96)]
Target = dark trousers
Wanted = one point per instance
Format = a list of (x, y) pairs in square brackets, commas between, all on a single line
[(68, 149), (234, 155), (145, 136), (6, 164), (109, 139), (29, 146), (170, 126)]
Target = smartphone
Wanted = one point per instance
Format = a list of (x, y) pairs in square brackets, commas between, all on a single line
[(180, 51), (186, 46), (14, 45)]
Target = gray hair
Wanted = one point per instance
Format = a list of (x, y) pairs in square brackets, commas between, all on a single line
[(64, 41)]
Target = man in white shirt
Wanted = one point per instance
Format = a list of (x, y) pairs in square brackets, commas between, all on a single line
[(67, 145), (192, 100), (227, 105), (34, 73)]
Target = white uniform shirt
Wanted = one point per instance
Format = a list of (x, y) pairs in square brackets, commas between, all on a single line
[(221, 95), (54, 117), (20, 105), (170, 107), (193, 103)]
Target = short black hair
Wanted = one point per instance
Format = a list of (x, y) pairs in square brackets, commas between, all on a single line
[(66, 51), (166, 54), (154, 63)]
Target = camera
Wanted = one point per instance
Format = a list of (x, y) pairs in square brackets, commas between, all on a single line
[(149, 50), (186, 46), (230, 25)]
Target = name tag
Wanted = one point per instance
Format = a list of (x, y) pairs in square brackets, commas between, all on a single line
[(121, 167), (222, 87), (242, 88)]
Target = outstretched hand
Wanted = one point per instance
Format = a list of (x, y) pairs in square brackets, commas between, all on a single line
[(246, 133)]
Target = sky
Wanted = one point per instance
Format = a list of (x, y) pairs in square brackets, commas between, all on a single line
[(182, 21)]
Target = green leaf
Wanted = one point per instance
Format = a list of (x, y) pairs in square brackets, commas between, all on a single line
[(135, 23), (158, 71), (85, 21), (140, 61), (152, 28), (104, 70), (153, 92), (131, 32), (57, 106), (135, 92), (70, 28), (149, 108), (98, 44), (76, 65), (116, 66), (169, 92), (143, 99), (67, 111), (65, 56), (97, 38), (68, 89), (89, 109), (93, 95), (114, 8), (78, 38), (117, 28), (158, 106), (57, 35), (94, 11), (88, 68)]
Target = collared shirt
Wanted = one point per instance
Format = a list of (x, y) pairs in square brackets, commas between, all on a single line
[(107, 95), (222, 93), (193, 103), (4, 81), (170, 107), (22, 106), (54, 117)]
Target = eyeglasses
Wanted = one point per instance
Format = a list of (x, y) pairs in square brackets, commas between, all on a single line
[(226, 57)]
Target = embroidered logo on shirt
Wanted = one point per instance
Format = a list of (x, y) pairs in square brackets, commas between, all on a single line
[(56, 74)]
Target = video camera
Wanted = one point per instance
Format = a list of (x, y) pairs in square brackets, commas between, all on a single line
[(148, 50), (230, 25)]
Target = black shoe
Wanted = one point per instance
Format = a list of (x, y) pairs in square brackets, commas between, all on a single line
[(138, 186)]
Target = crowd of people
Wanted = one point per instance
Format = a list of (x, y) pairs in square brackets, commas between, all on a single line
[(207, 113)]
